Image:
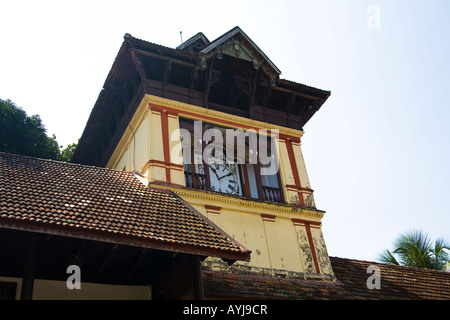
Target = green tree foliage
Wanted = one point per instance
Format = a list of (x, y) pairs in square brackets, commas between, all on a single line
[(26, 135), (415, 249), (67, 153)]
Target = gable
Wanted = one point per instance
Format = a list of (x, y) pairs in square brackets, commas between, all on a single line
[(237, 44), (195, 43)]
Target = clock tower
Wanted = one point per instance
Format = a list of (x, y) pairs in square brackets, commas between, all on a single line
[(213, 122)]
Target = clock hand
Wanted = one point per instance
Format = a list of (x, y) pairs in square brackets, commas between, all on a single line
[(214, 170), (227, 175)]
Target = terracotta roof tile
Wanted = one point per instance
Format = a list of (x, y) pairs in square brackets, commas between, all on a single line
[(52, 196), (397, 283)]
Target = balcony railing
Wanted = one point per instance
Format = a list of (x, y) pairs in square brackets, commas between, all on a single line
[(195, 180), (198, 181), (272, 194)]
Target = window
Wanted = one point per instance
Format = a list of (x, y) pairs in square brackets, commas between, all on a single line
[(194, 169), (226, 160)]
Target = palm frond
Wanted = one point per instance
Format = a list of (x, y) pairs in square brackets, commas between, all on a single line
[(388, 257), (440, 256), (415, 249)]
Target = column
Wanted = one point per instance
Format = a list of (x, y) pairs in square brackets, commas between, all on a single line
[(272, 241)]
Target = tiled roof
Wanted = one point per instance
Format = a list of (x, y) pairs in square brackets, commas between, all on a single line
[(396, 283), (113, 206)]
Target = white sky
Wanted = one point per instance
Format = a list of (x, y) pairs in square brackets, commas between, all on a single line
[(376, 153)]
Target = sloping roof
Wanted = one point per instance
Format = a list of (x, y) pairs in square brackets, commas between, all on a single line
[(107, 205), (232, 33), (194, 43), (397, 283)]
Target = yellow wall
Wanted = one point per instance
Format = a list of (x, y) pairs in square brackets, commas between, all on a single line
[(265, 228), (274, 241), (57, 290)]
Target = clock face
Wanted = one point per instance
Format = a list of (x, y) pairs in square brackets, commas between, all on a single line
[(224, 178)]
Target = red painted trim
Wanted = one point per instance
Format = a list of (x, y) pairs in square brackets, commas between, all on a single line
[(317, 223), (258, 181), (168, 110), (268, 216), (286, 137), (311, 244), (165, 112), (214, 208), (164, 183), (299, 189), (164, 164), (310, 240), (199, 116), (295, 174), (166, 142)]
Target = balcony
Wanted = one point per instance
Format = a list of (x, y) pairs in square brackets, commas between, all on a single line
[(195, 180), (198, 181), (272, 194)]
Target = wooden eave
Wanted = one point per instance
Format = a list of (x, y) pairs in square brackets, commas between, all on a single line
[(122, 239)]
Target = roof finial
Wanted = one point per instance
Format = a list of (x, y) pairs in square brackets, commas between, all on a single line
[(181, 36)]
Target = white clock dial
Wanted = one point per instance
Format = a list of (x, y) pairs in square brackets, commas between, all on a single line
[(224, 178)]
